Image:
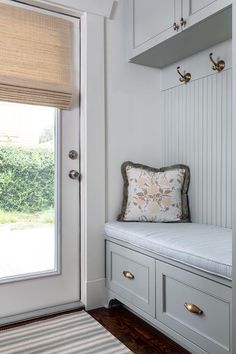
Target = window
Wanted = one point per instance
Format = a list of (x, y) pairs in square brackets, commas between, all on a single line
[(28, 181)]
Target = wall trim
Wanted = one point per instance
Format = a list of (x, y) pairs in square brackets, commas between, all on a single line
[(97, 293)]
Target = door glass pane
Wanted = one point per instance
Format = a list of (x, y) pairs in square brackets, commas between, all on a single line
[(27, 190)]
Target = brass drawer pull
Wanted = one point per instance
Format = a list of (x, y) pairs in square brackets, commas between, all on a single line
[(128, 275), (193, 308)]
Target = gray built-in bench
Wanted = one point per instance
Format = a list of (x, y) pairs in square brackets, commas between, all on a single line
[(177, 276)]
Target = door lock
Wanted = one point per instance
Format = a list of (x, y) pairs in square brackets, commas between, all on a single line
[(73, 155), (73, 174)]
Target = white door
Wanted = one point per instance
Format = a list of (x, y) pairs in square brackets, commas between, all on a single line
[(39, 205)]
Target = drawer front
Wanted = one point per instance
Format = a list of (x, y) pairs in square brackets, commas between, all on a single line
[(177, 290), (131, 275)]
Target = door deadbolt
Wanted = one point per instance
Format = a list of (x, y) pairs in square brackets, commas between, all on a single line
[(73, 154), (74, 174)]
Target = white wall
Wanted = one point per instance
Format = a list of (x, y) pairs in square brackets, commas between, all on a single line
[(132, 111), (131, 116), (197, 131), (92, 131)]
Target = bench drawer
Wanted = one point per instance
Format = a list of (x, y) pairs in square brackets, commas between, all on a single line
[(131, 275), (207, 324)]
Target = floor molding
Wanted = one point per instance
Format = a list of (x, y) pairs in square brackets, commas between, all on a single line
[(77, 305), (95, 293)]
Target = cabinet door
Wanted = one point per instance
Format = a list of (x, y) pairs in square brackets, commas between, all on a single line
[(176, 290), (153, 17), (150, 22), (137, 288), (195, 11), (199, 5)]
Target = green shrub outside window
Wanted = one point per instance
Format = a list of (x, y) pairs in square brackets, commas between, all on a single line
[(26, 179)]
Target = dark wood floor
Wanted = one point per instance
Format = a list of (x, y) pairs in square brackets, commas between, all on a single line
[(136, 334)]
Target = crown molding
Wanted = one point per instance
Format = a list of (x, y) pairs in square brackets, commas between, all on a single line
[(74, 7)]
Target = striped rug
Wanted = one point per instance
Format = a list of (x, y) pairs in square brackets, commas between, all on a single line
[(76, 333)]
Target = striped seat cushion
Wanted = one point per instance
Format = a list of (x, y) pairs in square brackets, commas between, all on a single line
[(205, 247)]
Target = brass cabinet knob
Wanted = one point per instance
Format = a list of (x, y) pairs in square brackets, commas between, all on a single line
[(193, 308), (175, 26), (128, 275), (183, 22)]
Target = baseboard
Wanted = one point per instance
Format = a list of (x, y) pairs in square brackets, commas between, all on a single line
[(96, 295), (42, 312)]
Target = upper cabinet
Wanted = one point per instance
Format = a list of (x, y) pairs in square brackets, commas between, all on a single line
[(194, 6), (162, 32), (195, 11), (155, 20)]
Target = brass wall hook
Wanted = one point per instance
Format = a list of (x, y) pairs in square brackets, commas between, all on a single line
[(185, 77), (219, 65)]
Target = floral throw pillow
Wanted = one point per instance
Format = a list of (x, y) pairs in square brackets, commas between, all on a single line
[(155, 195)]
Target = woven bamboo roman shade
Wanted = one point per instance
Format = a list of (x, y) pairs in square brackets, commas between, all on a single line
[(35, 58)]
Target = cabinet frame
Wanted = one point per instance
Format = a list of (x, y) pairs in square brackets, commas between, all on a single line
[(170, 46), (133, 49), (214, 286)]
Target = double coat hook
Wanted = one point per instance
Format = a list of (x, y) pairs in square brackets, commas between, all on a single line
[(219, 65), (185, 77)]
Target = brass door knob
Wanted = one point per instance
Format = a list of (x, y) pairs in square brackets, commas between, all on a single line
[(175, 26)]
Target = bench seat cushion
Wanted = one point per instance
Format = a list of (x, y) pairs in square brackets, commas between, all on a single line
[(205, 247)]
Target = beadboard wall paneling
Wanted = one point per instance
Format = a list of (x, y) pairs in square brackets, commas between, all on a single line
[(197, 125)]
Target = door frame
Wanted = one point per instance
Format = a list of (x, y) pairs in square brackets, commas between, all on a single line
[(92, 134), (92, 141), (55, 301)]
